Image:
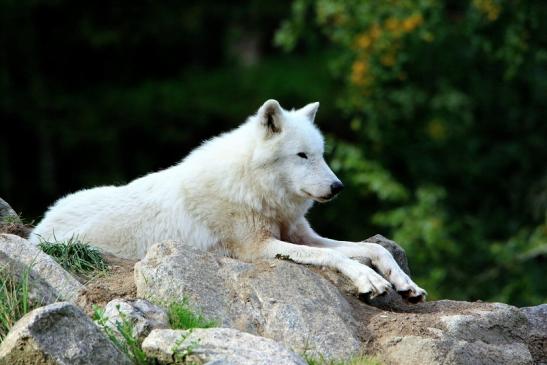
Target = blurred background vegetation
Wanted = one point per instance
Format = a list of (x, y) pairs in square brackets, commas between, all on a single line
[(434, 112)]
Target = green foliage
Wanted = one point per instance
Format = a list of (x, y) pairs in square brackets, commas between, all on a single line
[(75, 256), (14, 299), (444, 144), (122, 336), (10, 219), (182, 316), (182, 352)]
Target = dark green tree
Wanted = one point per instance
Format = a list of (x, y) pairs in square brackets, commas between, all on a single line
[(446, 135)]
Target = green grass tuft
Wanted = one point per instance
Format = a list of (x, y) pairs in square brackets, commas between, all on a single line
[(75, 256), (182, 316), (16, 219), (122, 337), (10, 219), (14, 299)]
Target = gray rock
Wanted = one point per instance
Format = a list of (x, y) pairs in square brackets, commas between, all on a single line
[(49, 282), (59, 333), (144, 315), (537, 335), (499, 324), (537, 316), (7, 213), (170, 272), (291, 304), (453, 333), (424, 350), (217, 346), (276, 299)]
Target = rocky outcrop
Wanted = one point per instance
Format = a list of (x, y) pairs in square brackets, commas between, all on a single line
[(143, 315), (448, 332), (216, 346), (310, 308), (7, 213), (276, 299), (265, 308), (58, 333), (49, 282)]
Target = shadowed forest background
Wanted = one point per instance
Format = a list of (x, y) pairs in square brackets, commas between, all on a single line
[(434, 113)]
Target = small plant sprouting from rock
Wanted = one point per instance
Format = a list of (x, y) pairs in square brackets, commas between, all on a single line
[(15, 224), (182, 316), (15, 299), (75, 256), (182, 353), (10, 219), (122, 336)]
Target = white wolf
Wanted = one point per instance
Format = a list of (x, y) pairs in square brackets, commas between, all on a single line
[(245, 192)]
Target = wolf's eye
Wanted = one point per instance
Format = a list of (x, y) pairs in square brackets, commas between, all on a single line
[(302, 155)]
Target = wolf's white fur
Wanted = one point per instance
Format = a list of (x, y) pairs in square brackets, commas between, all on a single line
[(244, 192)]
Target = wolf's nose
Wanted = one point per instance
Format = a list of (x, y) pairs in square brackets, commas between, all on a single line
[(336, 187)]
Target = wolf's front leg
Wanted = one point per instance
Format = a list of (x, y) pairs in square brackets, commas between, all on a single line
[(366, 279), (380, 258)]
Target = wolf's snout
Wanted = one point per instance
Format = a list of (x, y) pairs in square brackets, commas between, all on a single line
[(336, 187)]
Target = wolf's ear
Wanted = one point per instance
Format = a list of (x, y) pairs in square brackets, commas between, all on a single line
[(269, 116), (310, 110)]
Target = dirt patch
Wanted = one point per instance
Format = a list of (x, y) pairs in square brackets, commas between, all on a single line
[(21, 230), (422, 320), (118, 282), (391, 316), (538, 348)]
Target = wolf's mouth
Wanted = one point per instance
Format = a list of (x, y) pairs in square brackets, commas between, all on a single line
[(319, 199)]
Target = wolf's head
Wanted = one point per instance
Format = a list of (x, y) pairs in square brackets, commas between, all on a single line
[(290, 149)]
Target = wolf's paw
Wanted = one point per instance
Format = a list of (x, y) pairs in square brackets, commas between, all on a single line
[(372, 285), (404, 285), (412, 293)]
